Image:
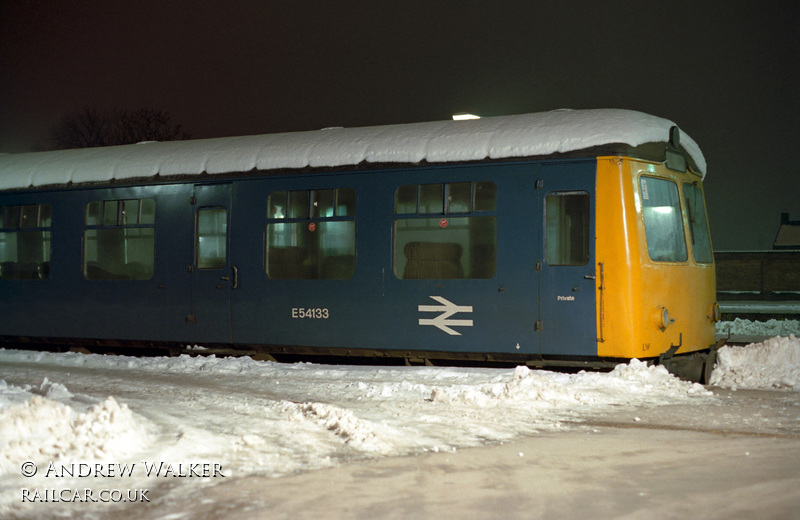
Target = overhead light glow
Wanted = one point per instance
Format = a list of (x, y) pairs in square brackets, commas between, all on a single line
[(463, 117)]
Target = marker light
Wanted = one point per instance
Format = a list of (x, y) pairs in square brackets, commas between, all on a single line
[(663, 319), (716, 312)]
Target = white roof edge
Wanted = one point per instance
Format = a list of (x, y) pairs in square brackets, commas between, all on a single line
[(544, 133)]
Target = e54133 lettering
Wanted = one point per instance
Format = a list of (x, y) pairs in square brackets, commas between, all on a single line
[(316, 313)]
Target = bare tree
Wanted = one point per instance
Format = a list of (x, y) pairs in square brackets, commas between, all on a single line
[(84, 129), (145, 125), (90, 127)]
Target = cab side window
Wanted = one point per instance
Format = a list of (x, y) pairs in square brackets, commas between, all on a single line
[(698, 224)]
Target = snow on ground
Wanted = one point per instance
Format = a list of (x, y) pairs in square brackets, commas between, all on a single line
[(246, 417), (773, 364), (270, 419), (381, 411)]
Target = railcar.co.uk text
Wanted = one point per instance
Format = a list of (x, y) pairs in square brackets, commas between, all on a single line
[(109, 470)]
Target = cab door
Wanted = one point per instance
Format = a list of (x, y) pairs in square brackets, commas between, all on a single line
[(212, 276), (567, 324)]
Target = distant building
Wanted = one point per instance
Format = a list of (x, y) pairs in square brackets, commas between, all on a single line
[(788, 236)]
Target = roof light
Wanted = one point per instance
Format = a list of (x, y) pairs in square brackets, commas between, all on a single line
[(464, 117)]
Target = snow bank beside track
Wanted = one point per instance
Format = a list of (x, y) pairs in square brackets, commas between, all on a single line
[(772, 364)]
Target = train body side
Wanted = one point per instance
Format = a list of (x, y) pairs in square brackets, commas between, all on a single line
[(599, 296), (64, 304), (498, 311)]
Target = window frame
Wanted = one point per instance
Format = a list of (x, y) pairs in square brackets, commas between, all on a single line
[(111, 219), (203, 266), (444, 260), (586, 227), (302, 212), (653, 229), (21, 225), (702, 225)]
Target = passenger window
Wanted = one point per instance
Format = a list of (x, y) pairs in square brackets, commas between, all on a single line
[(130, 212), (430, 198), (110, 213), (663, 223), (698, 224), (405, 200), (25, 242), (322, 204), (459, 242), (567, 228), (276, 204), (458, 197), (315, 238), (345, 203), (211, 238), (485, 196), (29, 216), (119, 240), (298, 204), (147, 211)]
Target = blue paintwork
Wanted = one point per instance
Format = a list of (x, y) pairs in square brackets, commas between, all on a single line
[(567, 293), (373, 310)]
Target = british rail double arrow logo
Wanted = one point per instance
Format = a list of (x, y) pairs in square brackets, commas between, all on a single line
[(443, 321)]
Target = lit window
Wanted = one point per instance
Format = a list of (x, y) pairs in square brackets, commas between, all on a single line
[(445, 230), (211, 238), (25, 242), (119, 240), (311, 234), (663, 223)]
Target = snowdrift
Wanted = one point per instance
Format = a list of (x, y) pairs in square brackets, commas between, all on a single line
[(773, 364)]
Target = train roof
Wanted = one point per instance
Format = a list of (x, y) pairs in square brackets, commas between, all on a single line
[(502, 137)]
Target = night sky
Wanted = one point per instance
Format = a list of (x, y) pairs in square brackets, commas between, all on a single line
[(725, 71)]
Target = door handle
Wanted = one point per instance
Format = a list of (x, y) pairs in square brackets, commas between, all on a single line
[(235, 277), (590, 277)]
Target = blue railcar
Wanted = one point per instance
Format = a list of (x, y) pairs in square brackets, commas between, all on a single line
[(483, 257)]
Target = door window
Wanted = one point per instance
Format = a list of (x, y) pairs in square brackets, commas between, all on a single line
[(211, 238), (567, 228)]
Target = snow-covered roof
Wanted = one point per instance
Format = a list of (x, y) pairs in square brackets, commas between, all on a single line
[(526, 135)]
